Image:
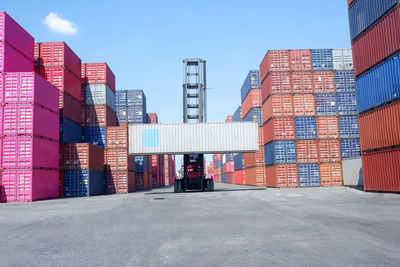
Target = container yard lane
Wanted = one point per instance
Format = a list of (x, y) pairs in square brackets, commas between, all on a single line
[(233, 226)]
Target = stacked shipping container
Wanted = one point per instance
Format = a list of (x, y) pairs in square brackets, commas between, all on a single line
[(156, 161), (375, 37), (238, 159)]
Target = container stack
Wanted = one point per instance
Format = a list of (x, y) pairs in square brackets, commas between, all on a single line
[(303, 93), (238, 159), (155, 171), (169, 170), (375, 35), (217, 163), (29, 121), (251, 111), (228, 171)]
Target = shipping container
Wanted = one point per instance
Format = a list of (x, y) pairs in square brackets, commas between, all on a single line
[(29, 152), (83, 183), (380, 85), (277, 82), (380, 128), (98, 73), (142, 164), (304, 105), (274, 60), (300, 60), (131, 114), (61, 184), (254, 115), (230, 178), (363, 13), (322, 59), (120, 182), (283, 175), (237, 116), (280, 152), (381, 171), (119, 159), (346, 104), (379, 42), (12, 33), (325, 104), (100, 94), (12, 60), (328, 127), (70, 132), (229, 157), (279, 128), (254, 176), (29, 119), (99, 116), (58, 54), (302, 82), (117, 137), (254, 159), (324, 82), (239, 176), (348, 127), (223, 178), (345, 82), (277, 106), (331, 174), (252, 81), (309, 175), (152, 118), (26, 185), (252, 100), (305, 128), (239, 162), (352, 172), (307, 151), (130, 98), (70, 108), (350, 148), (83, 156), (95, 136), (342, 59), (329, 150)]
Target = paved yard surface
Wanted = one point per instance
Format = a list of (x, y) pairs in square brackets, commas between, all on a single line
[(234, 226)]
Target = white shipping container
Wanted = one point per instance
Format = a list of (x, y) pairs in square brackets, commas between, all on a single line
[(352, 172), (100, 94), (196, 138), (342, 59)]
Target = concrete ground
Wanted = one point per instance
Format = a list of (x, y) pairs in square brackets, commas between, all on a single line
[(234, 226)]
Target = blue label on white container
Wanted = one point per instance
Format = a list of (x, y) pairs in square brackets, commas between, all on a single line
[(150, 138)]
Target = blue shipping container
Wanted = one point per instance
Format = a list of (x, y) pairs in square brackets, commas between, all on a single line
[(379, 85), (325, 104), (223, 178), (322, 59), (306, 128), (229, 157), (141, 164), (121, 114), (346, 103), (237, 116), (350, 148), (345, 82), (82, 183), (136, 98), (238, 162), (218, 164), (309, 175), (70, 132), (348, 127), (252, 81), (363, 13), (96, 136), (136, 114), (280, 152), (254, 115), (120, 98)]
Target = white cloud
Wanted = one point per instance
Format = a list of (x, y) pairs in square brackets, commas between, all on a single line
[(57, 23)]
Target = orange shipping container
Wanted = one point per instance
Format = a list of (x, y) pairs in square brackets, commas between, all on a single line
[(120, 181), (329, 150), (99, 116), (117, 137), (277, 105), (300, 60), (239, 177), (331, 174), (254, 176), (119, 159), (327, 127), (324, 82), (274, 60), (254, 159), (302, 82), (277, 82), (307, 151), (304, 105), (283, 175), (252, 100), (279, 128), (83, 156)]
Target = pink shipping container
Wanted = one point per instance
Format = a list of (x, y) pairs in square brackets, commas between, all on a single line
[(29, 152), (304, 105), (12, 60), (277, 82), (11, 32), (98, 73), (300, 60), (30, 119), (20, 185), (29, 87), (324, 82), (59, 54), (302, 82)]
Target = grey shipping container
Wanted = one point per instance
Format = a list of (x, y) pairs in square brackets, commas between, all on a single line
[(100, 94), (352, 172)]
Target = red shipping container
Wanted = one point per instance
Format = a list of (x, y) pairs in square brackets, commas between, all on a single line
[(70, 108), (327, 127), (324, 82), (146, 181), (12, 60), (239, 177), (230, 167), (274, 60), (277, 106), (58, 54), (277, 82), (380, 128), (302, 82), (283, 175), (254, 159), (279, 128), (61, 157), (98, 73), (26, 185), (119, 159), (228, 118), (139, 178), (379, 42), (61, 184), (252, 100), (329, 150), (83, 156), (254, 176), (99, 116), (152, 118), (381, 171), (307, 151), (230, 178), (304, 105), (64, 80), (349, 2), (331, 174), (117, 137), (120, 182), (300, 60)]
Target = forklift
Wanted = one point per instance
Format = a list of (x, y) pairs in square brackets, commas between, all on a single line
[(194, 111)]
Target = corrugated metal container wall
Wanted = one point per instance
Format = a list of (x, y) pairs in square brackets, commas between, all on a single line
[(284, 175), (302, 82), (254, 176), (99, 116), (307, 151), (59, 54), (382, 171), (350, 148), (379, 85), (120, 181), (346, 103), (117, 137), (70, 132), (254, 115), (63, 79), (300, 60), (342, 59), (99, 73), (322, 59), (345, 82), (325, 104), (100, 94), (363, 13), (135, 98), (331, 174), (305, 127), (304, 105), (83, 156), (277, 106), (280, 152), (348, 127), (82, 183), (237, 116), (252, 81), (309, 175), (329, 150), (276, 82), (324, 82), (279, 128), (253, 100), (328, 127), (239, 177), (274, 60), (239, 162), (95, 136), (70, 108), (12, 60), (352, 172)]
